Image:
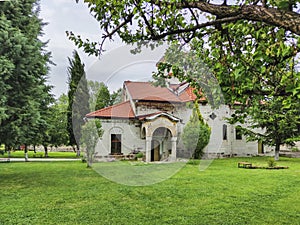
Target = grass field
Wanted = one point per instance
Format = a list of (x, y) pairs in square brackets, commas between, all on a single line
[(31, 154), (69, 193)]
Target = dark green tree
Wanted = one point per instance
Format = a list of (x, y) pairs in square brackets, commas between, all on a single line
[(78, 96), (100, 97), (116, 97), (25, 69)]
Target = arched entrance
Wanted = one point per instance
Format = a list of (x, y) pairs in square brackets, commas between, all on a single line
[(161, 145), (161, 136)]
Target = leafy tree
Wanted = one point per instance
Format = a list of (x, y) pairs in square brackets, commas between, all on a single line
[(252, 47), (135, 21), (91, 132), (24, 72), (260, 74), (100, 96), (116, 97), (78, 97), (196, 133), (58, 131)]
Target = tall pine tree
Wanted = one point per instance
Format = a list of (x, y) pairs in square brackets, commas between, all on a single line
[(24, 72), (78, 96)]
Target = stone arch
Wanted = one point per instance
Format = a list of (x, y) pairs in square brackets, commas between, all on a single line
[(116, 130), (162, 121), (152, 124), (161, 144)]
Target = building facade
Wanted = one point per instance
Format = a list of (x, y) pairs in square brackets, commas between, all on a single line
[(151, 120)]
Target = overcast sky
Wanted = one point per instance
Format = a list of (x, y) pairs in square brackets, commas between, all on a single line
[(115, 66)]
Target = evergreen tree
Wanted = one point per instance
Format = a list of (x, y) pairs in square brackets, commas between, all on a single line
[(24, 70), (196, 133), (78, 96)]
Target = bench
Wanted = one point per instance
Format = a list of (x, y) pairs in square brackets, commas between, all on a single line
[(244, 165)]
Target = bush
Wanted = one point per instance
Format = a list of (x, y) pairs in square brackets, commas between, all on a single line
[(271, 162), (140, 155), (196, 134)]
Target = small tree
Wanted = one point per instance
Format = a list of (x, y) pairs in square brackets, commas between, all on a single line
[(91, 131), (196, 133)]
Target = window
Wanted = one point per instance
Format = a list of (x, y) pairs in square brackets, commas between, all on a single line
[(115, 144), (238, 133), (224, 132)]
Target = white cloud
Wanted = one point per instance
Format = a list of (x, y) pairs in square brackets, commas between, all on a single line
[(114, 67)]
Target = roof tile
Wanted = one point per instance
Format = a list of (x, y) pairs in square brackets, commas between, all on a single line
[(147, 91), (121, 110)]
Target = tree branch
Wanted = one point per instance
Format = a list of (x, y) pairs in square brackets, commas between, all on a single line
[(196, 27), (273, 16), (127, 20)]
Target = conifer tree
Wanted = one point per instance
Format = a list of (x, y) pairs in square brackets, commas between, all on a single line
[(24, 72), (78, 96), (196, 133)]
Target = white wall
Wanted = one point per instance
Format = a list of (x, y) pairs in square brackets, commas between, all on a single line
[(130, 136)]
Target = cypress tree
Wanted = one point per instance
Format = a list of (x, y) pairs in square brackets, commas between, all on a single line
[(78, 96)]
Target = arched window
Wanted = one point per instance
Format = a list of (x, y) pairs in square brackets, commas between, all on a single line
[(116, 143), (238, 133), (224, 132)]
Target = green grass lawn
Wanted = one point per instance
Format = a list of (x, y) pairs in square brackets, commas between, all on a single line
[(31, 154), (69, 193)]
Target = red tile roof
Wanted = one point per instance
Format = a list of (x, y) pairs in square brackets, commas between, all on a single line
[(189, 95), (147, 91), (122, 110)]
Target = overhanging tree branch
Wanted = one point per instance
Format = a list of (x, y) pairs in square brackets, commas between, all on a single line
[(196, 27), (273, 16)]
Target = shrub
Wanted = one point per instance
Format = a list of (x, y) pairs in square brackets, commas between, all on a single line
[(196, 133), (271, 162), (140, 155)]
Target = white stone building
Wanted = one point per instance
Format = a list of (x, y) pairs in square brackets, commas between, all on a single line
[(151, 119)]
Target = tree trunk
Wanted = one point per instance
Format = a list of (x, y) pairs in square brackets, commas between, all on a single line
[(34, 148), (270, 15), (7, 149), (46, 151), (89, 162), (277, 148), (78, 151), (26, 153)]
